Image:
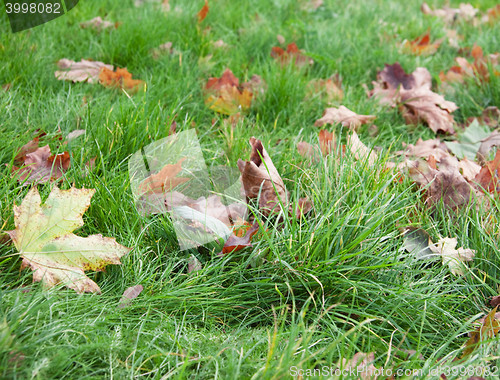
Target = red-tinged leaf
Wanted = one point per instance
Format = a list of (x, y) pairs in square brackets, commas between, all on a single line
[(422, 45), (489, 176), (202, 14), (235, 243), (292, 54), (489, 328), (129, 294), (120, 78), (326, 141)]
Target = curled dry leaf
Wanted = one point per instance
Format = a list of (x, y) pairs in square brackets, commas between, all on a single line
[(45, 241), (489, 328), (236, 243), (422, 45), (226, 96), (359, 150), (487, 144), (120, 78), (489, 176), (83, 71), (451, 256), (98, 24), (129, 294), (42, 166), (344, 116), (261, 179), (292, 54)]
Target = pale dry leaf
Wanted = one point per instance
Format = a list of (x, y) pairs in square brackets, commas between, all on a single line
[(360, 151), (363, 366), (98, 24), (45, 241), (452, 257), (129, 294), (83, 71), (344, 116)]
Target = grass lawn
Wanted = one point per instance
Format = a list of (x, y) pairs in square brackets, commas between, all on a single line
[(310, 293)]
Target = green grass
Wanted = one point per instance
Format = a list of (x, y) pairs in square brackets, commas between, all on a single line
[(309, 293)]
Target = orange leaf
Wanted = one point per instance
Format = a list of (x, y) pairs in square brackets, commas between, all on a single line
[(226, 96), (292, 54), (120, 78), (165, 180), (422, 45), (203, 12), (489, 176)]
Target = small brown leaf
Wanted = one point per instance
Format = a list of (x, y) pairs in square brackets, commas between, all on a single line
[(129, 294), (165, 180), (344, 116), (235, 243), (226, 96), (422, 45), (330, 89), (292, 54), (359, 150), (42, 166), (83, 71), (326, 141), (98, 24), (490, 327), (489, 176)]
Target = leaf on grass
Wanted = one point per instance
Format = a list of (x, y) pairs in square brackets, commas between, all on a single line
[(202, 14), (452, 257), (417, 242), (226, 96), (120, 78), (359, 150), (45, 241), (422, 45), (129, 294), (425, 149), (307, 150), (326, 141), (261, 179), (344, 116), (489, 328), (449, 15), (330, 89), (489, 176), (74, 134), (492, 15), (83, 71), (469, 141), (98, 24), (292, 54), (412, 93), (42, 166), (194, 264), (165, 180), (487, 144), (235, 243), (362, 365)]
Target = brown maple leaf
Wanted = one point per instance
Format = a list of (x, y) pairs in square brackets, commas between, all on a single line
[(83, 71), (292, 54), (165, 180), (226, 96), (490, 326), (236, 243), (422, 45), (489, 176), (41, 165), (344, 116), (261, 179), (424, 149), (120, 78), (330, 89), (203, 12), (98, 24)]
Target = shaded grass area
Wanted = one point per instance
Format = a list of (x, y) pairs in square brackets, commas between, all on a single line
[(309, 293)]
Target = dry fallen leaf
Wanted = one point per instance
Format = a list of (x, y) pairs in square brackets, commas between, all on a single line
[(330, 89), (98, 24), (41, 166), (129, 294), (424, 149), (464, 12), (226, 96), (203, 12), (83, 71), (235, 243), (362, 365), (489, 328), (451, 256), (489, 176), (469, 141), (292, 54), (344, 116), (45, 241), (261, 179), (165, 180), (422, 45), (360, 151), (120, 78)]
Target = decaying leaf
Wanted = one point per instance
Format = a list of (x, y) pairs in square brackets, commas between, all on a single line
[(363, 366), (451, 256), (464, 12), (425, 149), (45, 241), (330, 89), (489, 176), (487, 144), (326, 141), (129, 294), (226, 96), (412, 93), (344, 116), (202, 14), (292, 54), (469, 141), (41, 165), (98, 24), (236, 243), (422, 45), (120, 78), (359, 150), (489, 329), (261, 179), (307, 150), (83, 71), (165, 180)]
